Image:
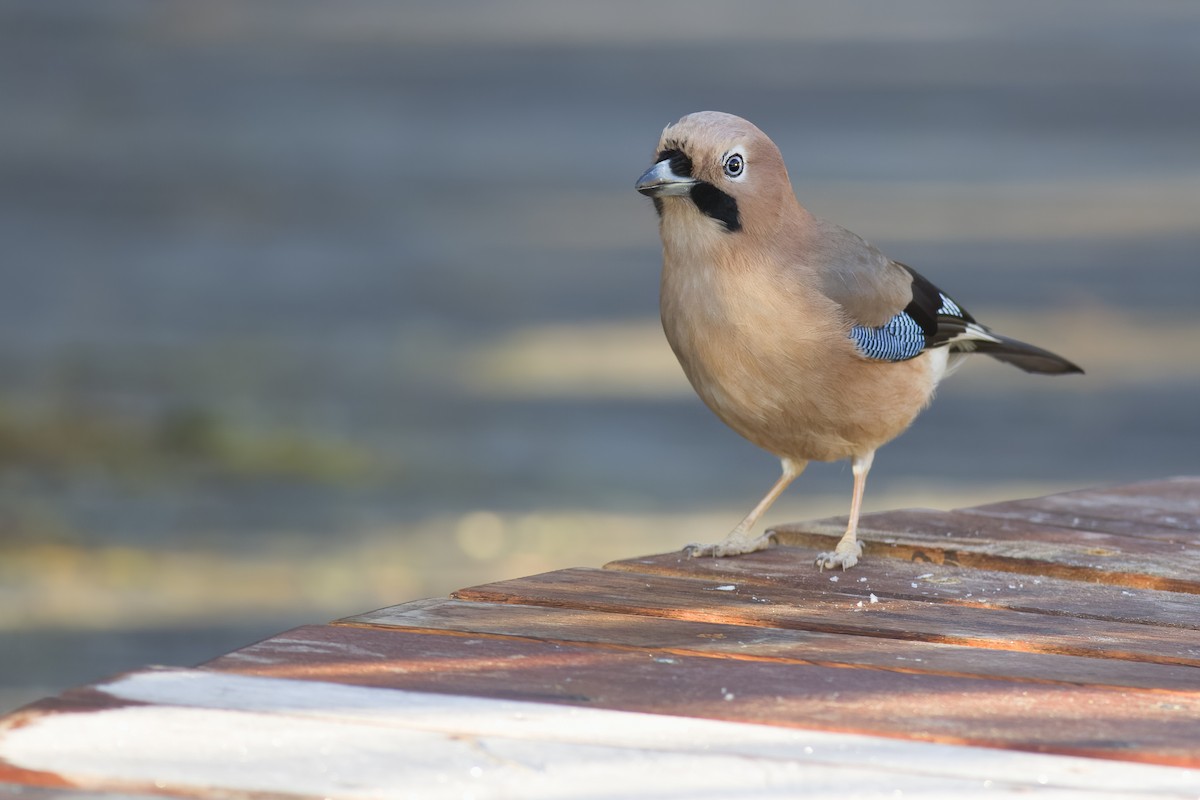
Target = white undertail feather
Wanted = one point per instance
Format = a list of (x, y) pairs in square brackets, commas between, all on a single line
[(975, 333), (942, 363)]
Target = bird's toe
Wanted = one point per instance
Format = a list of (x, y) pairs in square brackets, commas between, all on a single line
[(735, 544), (845, 555)]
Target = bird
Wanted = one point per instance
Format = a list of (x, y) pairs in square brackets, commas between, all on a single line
[(797, 333)]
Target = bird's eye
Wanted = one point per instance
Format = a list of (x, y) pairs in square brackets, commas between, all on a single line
[(734, 165)]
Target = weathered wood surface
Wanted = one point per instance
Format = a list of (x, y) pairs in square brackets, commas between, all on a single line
[(1044, 643), (817, 610), (752, 643), (1152, 726), (946, 583), (1115, 537), (199, 733)]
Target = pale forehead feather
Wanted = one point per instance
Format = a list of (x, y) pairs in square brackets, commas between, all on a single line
[(713, 131)]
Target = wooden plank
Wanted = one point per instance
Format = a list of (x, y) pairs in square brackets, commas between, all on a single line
[(1011, 545), (1175, 495), (1044, 626), (686, 637), (1150, 727), (1072, 540), (1168, 511), (919, 580), (799, 608), (199, 733)]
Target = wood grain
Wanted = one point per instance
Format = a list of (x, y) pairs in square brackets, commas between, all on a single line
[(1062, 625), (1122, 724), (1013, 545), (815, 610), (790, 567), (199, 733), (1167, 511), (687, 637)]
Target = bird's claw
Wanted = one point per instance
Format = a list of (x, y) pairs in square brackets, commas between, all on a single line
[(845, 555), (735, 544)]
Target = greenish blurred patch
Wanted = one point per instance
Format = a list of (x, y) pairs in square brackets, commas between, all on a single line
[(179, 443), (199, 437)]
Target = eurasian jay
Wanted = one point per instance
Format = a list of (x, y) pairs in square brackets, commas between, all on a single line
[(798, 334)]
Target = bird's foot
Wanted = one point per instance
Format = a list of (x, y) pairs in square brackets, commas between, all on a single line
[(735, 544), (845, 555)]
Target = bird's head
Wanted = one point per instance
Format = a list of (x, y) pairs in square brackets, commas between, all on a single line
[(718, 171)]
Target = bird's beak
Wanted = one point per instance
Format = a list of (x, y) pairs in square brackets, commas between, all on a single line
[(660, 181)]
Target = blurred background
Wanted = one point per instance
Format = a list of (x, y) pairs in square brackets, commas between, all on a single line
[(310, 308)]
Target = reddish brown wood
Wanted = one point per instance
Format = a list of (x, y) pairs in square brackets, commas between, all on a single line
[(969, 525), (817, 610), (1013, 545), (1179, 495), (1066, 624), (622, 631), (1168, 511), (919, 580), (1123, 724)]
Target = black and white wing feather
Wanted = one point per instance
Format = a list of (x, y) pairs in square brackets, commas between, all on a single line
[(933, 319)]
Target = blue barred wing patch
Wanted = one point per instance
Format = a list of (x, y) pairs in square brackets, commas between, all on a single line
[(899, 340), (902, 337)]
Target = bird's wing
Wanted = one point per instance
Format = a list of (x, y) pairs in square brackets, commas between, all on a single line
[(942, 320), (869, 286), (896, 313), (933, 319)]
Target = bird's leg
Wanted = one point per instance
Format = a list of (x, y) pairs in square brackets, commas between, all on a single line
[(740, 540), (848, 547)]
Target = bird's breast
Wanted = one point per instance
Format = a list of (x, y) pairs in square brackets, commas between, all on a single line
[(772, 357), (748, 341)]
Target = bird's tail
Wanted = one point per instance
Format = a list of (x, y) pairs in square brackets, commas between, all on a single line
[(1024, 356)]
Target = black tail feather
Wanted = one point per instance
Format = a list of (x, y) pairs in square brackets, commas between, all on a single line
[(1025, 356)]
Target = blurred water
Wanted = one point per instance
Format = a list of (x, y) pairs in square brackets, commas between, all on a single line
[(314, 218)]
